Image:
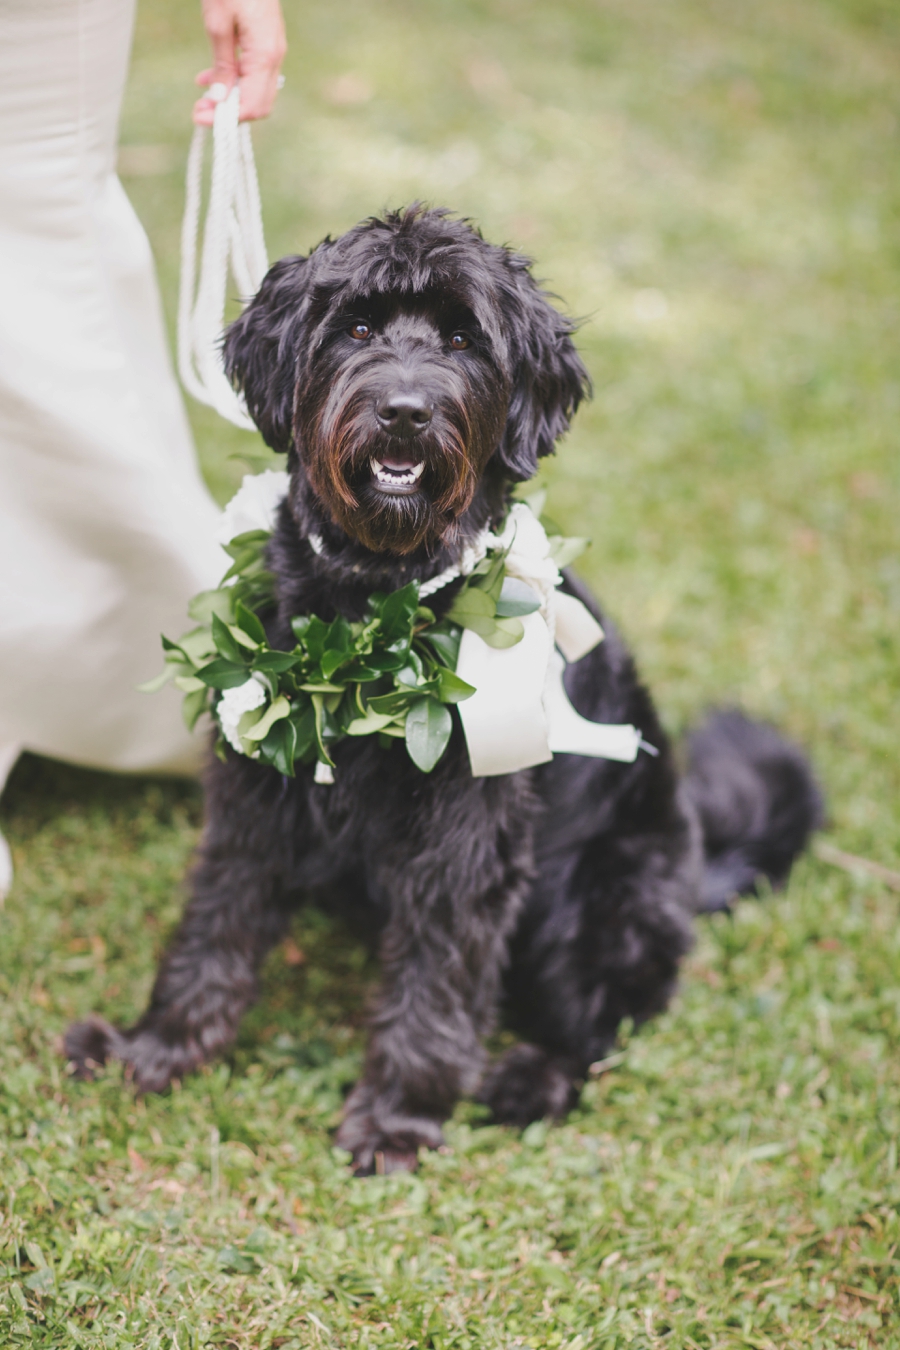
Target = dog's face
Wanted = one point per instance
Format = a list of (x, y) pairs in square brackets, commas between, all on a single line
[(397, 362)]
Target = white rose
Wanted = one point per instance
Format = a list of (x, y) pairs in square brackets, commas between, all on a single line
[(234, 703), (254, 505)]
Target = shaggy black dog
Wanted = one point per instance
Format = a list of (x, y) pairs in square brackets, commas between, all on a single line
[(413, 373)]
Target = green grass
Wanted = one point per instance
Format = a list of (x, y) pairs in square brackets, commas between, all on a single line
[(713, 186)]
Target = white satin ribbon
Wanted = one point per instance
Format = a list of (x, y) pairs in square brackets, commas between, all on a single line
[(520, 714), (504, 720), (572, 734)]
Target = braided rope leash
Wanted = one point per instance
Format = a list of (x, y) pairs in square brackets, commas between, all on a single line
[(232, 235), (472, 556)]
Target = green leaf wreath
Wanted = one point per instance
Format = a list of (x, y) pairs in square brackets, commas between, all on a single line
[(392, 674)]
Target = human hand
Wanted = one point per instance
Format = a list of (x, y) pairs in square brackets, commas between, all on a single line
[(248, 43)]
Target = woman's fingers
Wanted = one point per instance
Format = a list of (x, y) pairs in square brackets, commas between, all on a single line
[(261, 38), (220, 21), (248, 42)]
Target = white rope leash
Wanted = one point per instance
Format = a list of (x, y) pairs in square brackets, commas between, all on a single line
[(472, 556), (232, 233)]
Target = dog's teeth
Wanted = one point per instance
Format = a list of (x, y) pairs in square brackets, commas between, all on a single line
[(392, 477)]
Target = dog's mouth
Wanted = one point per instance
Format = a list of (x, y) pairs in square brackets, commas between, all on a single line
[(397, 473)]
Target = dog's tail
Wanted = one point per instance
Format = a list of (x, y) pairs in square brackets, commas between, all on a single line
[(757, 800)]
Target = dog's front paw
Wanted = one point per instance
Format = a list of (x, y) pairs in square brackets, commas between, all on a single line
[(150, 1062), (528, 1085), (384, 1141)]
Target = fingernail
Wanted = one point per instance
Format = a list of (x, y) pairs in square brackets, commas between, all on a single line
[(217, 92)]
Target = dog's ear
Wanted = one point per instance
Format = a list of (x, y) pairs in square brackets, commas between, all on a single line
[(548, 377), (263, 345)]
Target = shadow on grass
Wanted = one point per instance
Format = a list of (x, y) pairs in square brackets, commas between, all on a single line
[(39, 790)]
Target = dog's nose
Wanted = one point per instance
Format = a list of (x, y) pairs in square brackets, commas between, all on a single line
[(404, 414)]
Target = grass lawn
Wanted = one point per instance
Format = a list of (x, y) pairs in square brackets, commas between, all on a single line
[(713, 185)]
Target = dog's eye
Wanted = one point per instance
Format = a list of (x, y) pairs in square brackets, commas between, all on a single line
[(459, 342), (360, 331)]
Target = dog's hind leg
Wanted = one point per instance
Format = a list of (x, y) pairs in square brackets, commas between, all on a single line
[(600, 941), (238, 909), (452, 893)]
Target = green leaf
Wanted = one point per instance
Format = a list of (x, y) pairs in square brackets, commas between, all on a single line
[(250, 538), (339, 636), (476, 609), (315, 637), (332, 660), (243, 639), (306, 731), (366, 726), (189, 684), (386, 662), (394, 730), (444, 640), (279, 709), (470, 606), (275, 663), (412, 673), (492, 582), (223, 674), (300, 623), (278, 746), (246, 560), (358, 673), (392, 703), (225, 643), (193, 705), (398, 612), (207, 603), (428, 727), (564, 550), (249, 623), (517, 598), (198, 645), (152, 686), (505, 633), (258, 463), (319, 706), (452, 689)]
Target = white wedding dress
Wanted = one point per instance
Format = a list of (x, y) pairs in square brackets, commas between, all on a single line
[(106, 528)]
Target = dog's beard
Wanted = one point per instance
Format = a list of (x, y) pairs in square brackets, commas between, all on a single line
[(338, 450)]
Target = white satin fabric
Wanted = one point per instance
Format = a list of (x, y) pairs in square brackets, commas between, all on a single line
[(106, 528)]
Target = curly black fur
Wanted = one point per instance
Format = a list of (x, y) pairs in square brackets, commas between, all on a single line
[(563, 895)]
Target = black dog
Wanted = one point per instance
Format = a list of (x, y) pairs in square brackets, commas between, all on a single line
[(564, 894)]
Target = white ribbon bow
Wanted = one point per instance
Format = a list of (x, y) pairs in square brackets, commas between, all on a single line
[(520, 714)]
